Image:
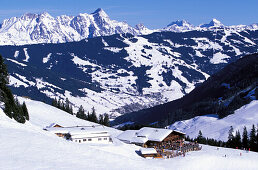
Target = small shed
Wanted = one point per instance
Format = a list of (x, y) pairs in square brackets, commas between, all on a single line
[(148, 152)]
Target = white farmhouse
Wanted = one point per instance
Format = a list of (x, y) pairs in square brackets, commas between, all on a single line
[(90, 135), (82, 134)]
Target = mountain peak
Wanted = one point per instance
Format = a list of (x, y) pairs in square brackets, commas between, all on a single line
[(214, 23), (100, 12), (140, 26), (28, 15), (179, 23)]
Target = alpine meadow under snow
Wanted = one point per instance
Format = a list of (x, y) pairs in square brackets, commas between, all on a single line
[(28, 146)]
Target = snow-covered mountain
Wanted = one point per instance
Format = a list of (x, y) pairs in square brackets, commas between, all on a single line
[(179, 26), (214, 23), (43, 28), (28, 146), (213, 127), (118, 74)]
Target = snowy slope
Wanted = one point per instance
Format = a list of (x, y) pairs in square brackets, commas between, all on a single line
[(27, 146), (213, 127)]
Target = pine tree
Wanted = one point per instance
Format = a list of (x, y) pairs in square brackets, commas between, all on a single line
[(101, 120), (245, 138), (59, 104), (81, 114), (67, 105), (54, 102), (237, 140), (256, 148), (94, 116), (230, 137), (25, 111), (106, 120), (200, 138), (3, 73), (253, 141)]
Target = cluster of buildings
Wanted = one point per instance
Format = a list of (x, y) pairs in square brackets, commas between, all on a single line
[(155, 142)]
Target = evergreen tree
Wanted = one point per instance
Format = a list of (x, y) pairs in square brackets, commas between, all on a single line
[(230, 137), (25, 111), (94, 116), (256, 148), (59, 104), (101, 120), (245, 138), (67, 105), (106, 120), (200, 138), (253, 141), (3, 73), (71, 109), (237, 140), (54, 102), (81, 114)]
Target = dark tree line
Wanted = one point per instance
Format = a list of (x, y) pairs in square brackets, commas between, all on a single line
[(207, 141), (65, 106), (102, 119), (90, 116), (245, 141), (12, 107)]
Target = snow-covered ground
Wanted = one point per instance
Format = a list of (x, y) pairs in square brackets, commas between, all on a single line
[(213, 127), (27, 146)]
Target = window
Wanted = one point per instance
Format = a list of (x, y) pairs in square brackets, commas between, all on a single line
[(79, 141), (99, 139), (105, 138), (84, 140), (89, 139), (75, 140)]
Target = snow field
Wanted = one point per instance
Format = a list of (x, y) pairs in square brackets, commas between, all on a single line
[(27, 146)]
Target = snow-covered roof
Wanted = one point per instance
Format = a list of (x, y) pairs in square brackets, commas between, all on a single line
[(145, 134), (58, 129), (139, 140), (145, 151), (154, 134), (127, 135), (52, 125), (80, 132)]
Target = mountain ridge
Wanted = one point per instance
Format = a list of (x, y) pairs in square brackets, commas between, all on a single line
[(43, 28)]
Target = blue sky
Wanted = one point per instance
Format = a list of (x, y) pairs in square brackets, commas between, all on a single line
[(152, 13)]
